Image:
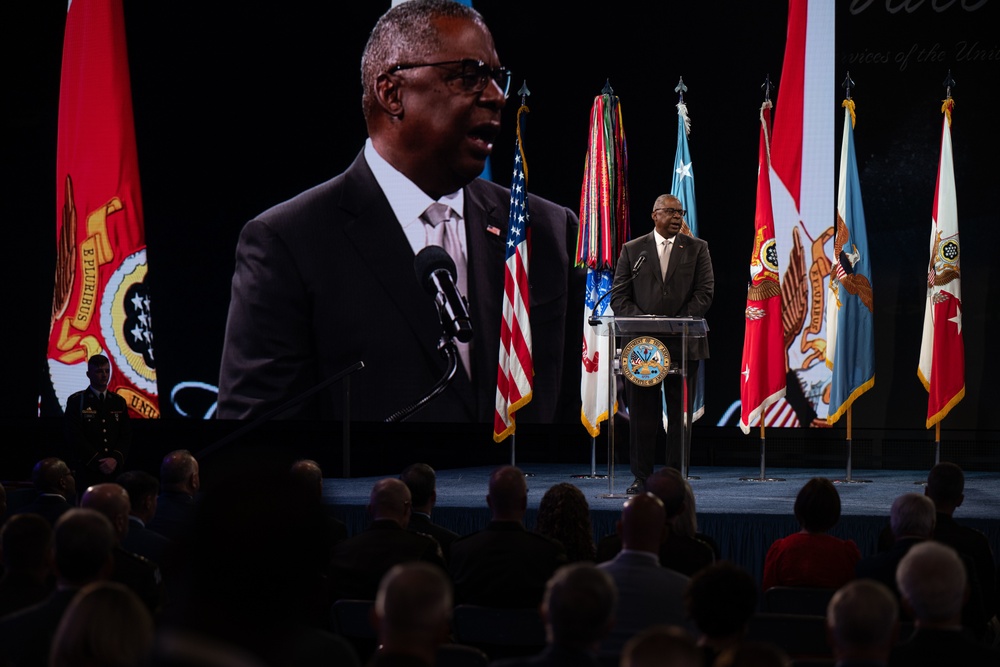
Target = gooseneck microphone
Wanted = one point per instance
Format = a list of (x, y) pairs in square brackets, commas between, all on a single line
[(436, 272), (635, 271)]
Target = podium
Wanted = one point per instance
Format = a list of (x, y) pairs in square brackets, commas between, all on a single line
[(661, 328)]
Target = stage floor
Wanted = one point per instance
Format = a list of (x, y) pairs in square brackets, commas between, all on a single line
[(744, 517)]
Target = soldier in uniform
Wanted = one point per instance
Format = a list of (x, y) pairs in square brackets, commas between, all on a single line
[(98, 428)]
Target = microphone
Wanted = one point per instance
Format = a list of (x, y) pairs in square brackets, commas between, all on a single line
[(436, 272), (635, 271)]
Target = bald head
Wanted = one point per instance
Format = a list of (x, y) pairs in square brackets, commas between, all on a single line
[(112, 501), (179, 472), (668, 485), (508, 494), (390, 499), (861, 620), (306, 475), (642, 524)]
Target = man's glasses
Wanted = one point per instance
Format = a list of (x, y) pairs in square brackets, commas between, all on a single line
[(472, 76), (671, 212)]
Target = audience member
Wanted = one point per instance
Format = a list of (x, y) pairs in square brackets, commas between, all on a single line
[(56, 487), (421, 480), (812, 557), (307, 475), (504, 565), (83, 542), (179, 486), (143, 489), (946, 487), (686, 523), (682, 549), (412, 615), (862, 621), (105, 625), (648, 594), (25, 541), (243, 590), (662, 646), (564, 516), (911, 519), (360, 562), (933, 586), (578, 611), (720, 600), (139, 574)]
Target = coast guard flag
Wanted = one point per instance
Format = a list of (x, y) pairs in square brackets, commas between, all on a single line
[(850, 334), (763, 367), (515, 372), (942, 350), (101, 301), (682, 187)]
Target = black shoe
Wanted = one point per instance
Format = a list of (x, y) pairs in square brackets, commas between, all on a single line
[(638, 486)]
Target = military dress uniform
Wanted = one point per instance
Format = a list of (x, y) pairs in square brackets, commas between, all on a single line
[(97, 428)]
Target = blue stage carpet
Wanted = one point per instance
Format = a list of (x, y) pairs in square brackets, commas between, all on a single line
[(744, 517)]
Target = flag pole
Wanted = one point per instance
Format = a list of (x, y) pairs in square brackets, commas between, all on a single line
[(593, 462), (763, 439), (850, 441), (937, 451)]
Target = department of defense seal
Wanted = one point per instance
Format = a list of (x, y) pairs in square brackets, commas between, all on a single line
[(645, 361)]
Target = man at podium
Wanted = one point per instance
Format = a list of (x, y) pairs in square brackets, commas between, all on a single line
[(665, 273)]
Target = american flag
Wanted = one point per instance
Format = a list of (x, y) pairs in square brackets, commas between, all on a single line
[(515, 372)]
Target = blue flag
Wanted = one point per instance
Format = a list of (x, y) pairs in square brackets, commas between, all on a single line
[(682, 187), (850, 331)]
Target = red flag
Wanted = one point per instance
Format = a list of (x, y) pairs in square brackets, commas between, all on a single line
[(942, 350), (101, 301), (515, 371), (763, 368)]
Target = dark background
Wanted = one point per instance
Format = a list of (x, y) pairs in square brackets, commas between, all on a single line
[(238, 107)]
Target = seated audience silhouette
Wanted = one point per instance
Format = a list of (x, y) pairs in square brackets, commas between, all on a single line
[(862, 622), (504, 565), (662, 646), (412, 615), (180, 482), (56, 488), (105, 624), (24, 547), (720, 600), (812, 557), (933, 586), (421, 480), (564, 516)]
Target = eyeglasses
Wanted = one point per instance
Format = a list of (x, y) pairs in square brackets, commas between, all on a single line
[(671, 212), (472, 77)]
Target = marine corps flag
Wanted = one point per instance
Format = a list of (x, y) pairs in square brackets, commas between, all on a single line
[(763, 369), (942, 350), (850, 329), (101, 301)]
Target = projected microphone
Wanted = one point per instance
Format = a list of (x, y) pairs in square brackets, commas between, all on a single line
[(436, 272), (635, 271)]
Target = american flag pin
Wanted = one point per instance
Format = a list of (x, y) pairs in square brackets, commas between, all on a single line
[(495, 231)]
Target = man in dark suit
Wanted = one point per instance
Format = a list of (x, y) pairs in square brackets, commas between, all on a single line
[(98, 427), (360, 562), (504, 565), (56, 488), (933, 586), (674, 280), (862, 621), (648, 594), (327, 278), (180, 482), (83, 543), (421, 480), (143, 489)]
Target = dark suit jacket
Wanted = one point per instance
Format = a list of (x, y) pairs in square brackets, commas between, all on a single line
[(687, 291), (327, 279), (421, 523), (503, 565), (145, 542), (26, 635), (359, 562), (49, 506), (174, 513), (942, 647)]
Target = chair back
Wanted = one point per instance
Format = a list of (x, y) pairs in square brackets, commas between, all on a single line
[(797, 600), (500, 633)]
